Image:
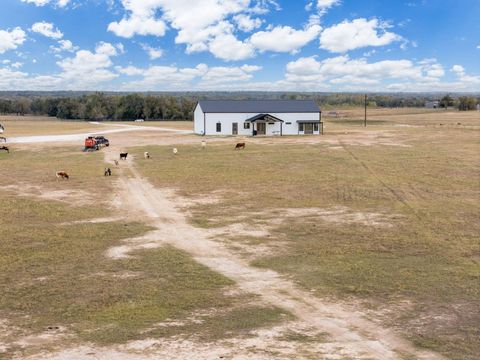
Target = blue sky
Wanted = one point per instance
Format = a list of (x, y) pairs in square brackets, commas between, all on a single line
[(302, 45)]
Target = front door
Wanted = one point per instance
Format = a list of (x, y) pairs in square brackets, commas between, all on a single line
[(261, 128), (308, 129), (235, 129)]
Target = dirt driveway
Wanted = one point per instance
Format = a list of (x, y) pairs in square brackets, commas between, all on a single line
[(350, 333)]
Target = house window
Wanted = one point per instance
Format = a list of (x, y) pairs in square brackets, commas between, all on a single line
[(271, 123), (219, 127), (300, 127), (315, 127), (289, 123), (246, 125)]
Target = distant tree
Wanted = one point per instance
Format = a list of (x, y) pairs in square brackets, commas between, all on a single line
[(21, 106), (130, 107), (5, 106), (447, 101), (466, 103)]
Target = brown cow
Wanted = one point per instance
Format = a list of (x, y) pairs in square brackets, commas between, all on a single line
[(240, 146), (62, 175), (123, 156)]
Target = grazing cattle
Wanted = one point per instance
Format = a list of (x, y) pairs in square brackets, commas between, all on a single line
[(204, 145), (175, 151), (240, 146), (107, 172), (116, 162), (62, 175), (123, 156), (5, 149), (146, 155), (3, 139)]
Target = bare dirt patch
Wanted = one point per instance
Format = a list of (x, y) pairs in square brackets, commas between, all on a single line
[(71, 196)]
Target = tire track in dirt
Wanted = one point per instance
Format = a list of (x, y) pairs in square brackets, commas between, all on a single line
[(347, 328), (399, 197)]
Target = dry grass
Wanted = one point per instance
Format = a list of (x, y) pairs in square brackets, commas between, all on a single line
[(177, 125), (429, 257), (41, 125), (402, 117), (54, 272)]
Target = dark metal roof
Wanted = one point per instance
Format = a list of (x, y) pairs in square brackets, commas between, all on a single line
[(265, 117), (259, 106)]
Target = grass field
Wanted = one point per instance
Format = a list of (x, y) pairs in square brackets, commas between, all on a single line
[(384, 219), (419, 266), (41, 125), (54, 272)]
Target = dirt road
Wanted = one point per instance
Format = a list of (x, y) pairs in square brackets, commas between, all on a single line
[(103, 129)]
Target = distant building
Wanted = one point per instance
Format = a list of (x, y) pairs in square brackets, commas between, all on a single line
[(432, 104), (257, 117)]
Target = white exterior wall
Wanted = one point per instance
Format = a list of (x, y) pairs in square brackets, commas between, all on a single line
[(198, 120), (289, 127)]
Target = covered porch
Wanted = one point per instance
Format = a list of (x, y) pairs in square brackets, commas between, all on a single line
[(260, 123), (310, 127)]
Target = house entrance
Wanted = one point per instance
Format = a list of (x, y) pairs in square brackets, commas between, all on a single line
[(261, 128), (308, 128)]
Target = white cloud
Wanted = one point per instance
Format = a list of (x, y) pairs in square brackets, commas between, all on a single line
[(172, 77), (284, 38), (324, 5), (47, 29), (64, 45), (106, 49), (152, 52), (350, 35), (458, 69), (129, 70), (87, 70), (228, 75), (246, 23), (202, 25), (228, 47), (435, 71), (59, 3), (10, 40), (344, 70), (128, 27), (162, 77)]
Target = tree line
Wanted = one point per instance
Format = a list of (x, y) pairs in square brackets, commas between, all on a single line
[(180, 106), (99, 106)]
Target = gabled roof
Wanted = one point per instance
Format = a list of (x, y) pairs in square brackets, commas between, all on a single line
[(259, 106), (264, 117)]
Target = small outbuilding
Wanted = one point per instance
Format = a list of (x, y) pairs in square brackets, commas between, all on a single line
[(257, 117)]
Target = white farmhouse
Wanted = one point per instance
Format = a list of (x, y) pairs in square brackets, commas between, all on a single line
[(257, 117)]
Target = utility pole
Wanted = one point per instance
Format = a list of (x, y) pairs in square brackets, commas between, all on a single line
[(366, 104)]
